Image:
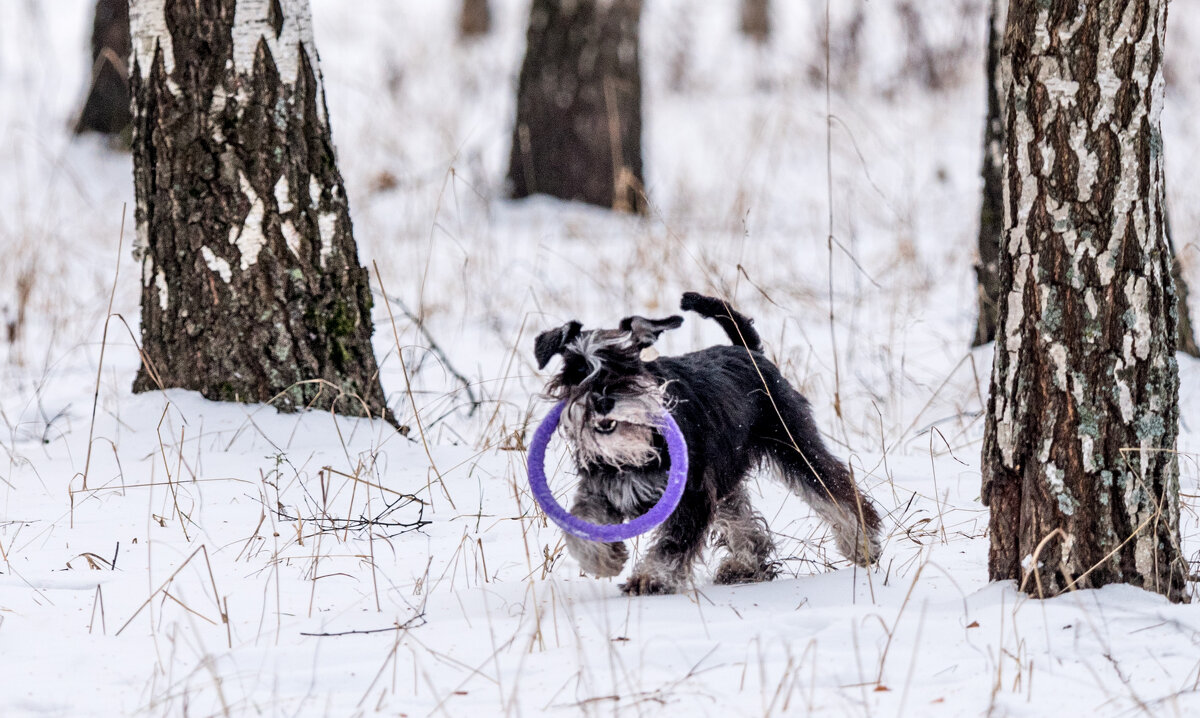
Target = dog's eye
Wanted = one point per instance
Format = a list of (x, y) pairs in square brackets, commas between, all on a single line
[(574, 370)]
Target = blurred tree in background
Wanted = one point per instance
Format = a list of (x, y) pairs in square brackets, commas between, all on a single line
[(578, 132), (474, 18), (991, 212), (106, 108), (756, 20)]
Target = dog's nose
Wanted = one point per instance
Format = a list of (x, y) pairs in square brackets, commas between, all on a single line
[(603, 404)]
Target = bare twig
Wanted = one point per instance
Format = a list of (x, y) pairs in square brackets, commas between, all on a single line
[(410, 623), (435, 348)]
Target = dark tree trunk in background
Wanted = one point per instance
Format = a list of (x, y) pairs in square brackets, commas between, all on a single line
[(756, 19), (1079, 468), (578, 133), (106, 108), (475, 18), (991, 213), (1186, 337), (251, 286)]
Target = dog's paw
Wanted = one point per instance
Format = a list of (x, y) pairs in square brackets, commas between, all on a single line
[(602, 560), (865, 554), (642, 584), (733, 572)]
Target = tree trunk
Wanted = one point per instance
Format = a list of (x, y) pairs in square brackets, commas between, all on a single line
[(1185, 336), (578, 133), (756, 20), (991, 212), (106, 109), (475, 19), (251, 287), (1079, 466)]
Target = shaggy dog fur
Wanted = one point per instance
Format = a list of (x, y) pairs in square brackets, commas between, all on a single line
[(736, 411)]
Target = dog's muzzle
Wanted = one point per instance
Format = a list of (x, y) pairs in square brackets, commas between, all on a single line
[(605, 426)]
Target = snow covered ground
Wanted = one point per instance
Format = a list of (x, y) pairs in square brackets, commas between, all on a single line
[(165, 555)]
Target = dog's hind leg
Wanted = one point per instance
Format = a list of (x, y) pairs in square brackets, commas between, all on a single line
[(743, 533), (793, 443), (594, 557), (667, 566)]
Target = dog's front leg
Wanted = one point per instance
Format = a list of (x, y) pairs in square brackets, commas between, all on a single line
[(599, 559), (667, 566)]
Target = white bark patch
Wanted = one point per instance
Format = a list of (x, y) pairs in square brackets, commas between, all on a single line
[(282, 198), (1137, 291), (148, 30), (1058, 489), (1087, 449), (249, 237), (1043, 455), (217, 264), (1138, 508), (160, 281), (1041, 33), (147, 271), (1125, 402), (1089, 164), (327, 227), (291, 237), (220, 99), (314, 191), (1058, 354), (252, 24), (141, 240)]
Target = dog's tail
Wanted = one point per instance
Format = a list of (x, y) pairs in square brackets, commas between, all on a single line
[(738, 327)]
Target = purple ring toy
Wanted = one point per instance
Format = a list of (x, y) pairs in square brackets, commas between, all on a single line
[(676, 481)]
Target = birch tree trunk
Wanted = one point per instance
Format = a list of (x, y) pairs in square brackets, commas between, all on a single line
[(578, 133), (251, 287), (1078, 462), (991, 225)]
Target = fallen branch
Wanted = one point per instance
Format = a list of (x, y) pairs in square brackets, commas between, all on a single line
[(398, 627)]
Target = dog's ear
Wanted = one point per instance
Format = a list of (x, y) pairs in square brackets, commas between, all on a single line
[(552, 341), (645, 331)]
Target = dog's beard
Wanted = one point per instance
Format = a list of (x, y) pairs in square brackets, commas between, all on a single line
[(630, 443)]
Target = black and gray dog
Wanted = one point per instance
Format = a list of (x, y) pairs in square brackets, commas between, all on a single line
[(736, 412)]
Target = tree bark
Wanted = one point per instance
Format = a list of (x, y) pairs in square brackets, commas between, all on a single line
[(251, 287), (1079, 466), (474, 19), (991, 212), (756, 20), (578, 133), (106, 109)]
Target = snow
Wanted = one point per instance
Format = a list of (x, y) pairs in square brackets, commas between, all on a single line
[(237, 533)]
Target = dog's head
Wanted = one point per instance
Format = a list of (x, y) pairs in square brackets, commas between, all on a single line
[(612, 401)]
